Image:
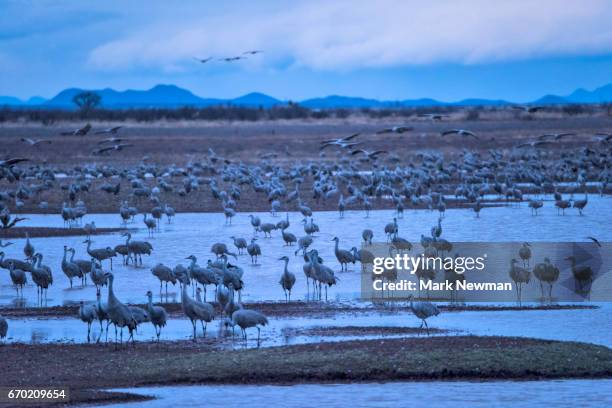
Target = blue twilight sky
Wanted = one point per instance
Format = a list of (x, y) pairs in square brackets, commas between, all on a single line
[(387, 49)]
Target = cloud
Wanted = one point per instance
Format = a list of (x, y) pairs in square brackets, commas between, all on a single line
[(347, 35)]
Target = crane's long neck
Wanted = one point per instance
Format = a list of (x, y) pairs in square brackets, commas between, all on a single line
[(286, 271), (337, 243), (88, 246), (111, 292), (127, 240), (64, 258)]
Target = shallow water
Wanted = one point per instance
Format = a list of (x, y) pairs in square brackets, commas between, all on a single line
[(195, 233), (583, 325), (563, 393)]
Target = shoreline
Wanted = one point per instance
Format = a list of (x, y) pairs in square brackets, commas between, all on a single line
[(296, 308), (438, 358)]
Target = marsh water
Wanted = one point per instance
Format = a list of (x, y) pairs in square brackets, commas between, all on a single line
[(195, 233), (558, 394)]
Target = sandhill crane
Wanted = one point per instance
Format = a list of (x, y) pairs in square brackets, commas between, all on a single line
[(3, 327), (70, 269), (229, 214), (239, 243), (78, 132), (460, 132), (246, 318), (341, 206), (35, 142), (367, 236), (28, 248), (119, 314), (83, 264), (196, 311), (232, 305), (391, 228), (304, 209), (123, 251), (369, 155), (580, 204), (164, 274), (583, 274), (288, 237), (562, 205), (525, 254), (535, 205), (157, 314), (283, 224), (42, 276), (137, 248), (220, 249), (287, 279), (170, 213), (18, 263), (342, 255), (112, 130), (520, 276), (18, 277), (267, 229), (87, 314), (222, 297), (150, 224), (363, 256), (527, 108), (310, 227), (395, 129), (5, 244), (423, 310), (303, 243), (547, 273), (140, 315), (254, 250), (90, 229), (321, 274), (98, 276), (100, 254), (102, 314), (203, 276), (182, 274), (255, 222)]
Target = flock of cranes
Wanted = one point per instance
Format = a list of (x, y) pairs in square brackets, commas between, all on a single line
[(356, 178), (227, 278)]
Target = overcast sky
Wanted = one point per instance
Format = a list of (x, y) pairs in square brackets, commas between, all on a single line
[(386, 49)]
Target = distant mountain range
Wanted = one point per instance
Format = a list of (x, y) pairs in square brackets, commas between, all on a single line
[(171, 96)]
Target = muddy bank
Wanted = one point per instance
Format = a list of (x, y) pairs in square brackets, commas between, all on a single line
[(426, 358), (333, 331), (298, 309), (46, 232)]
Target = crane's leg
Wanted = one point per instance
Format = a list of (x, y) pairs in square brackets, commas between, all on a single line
[(193, 323), (258, 335)]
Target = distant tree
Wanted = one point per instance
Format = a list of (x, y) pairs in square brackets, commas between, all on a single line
[(86, 101)]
